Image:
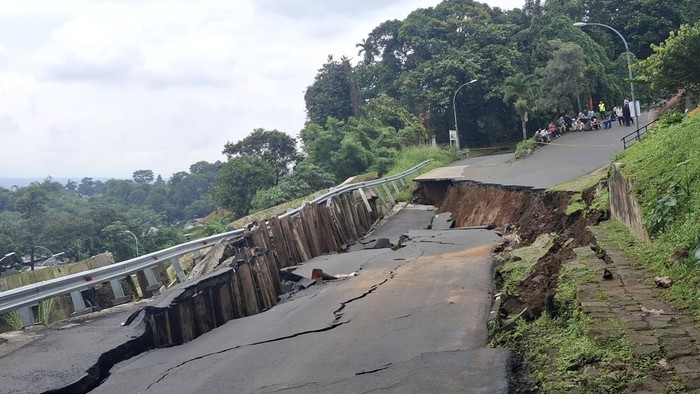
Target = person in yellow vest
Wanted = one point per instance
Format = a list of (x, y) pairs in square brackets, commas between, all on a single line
[(601, 108)]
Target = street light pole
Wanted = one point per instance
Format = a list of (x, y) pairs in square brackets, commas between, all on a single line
[(629, 64), (52, 257), (7, 255), (135, 239), (454, 107)]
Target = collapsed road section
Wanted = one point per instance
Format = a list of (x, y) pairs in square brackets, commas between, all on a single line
[(412, 320), (425, 301)]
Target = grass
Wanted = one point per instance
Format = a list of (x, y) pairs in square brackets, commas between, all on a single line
[(560, 355), (48, 311), (525, 145), (10, 321), (664, 169), (411, 156), (576, 204), (583, 182)]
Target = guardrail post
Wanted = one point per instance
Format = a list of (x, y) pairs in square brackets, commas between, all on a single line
[(79, 303), (396, 188), (196, 254), (388, 193), (181, 277), (403, 182), (364, 199), (153, 284), (119, 296), (26, 316)]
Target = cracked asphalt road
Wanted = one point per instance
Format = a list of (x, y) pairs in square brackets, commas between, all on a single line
[(414, 320)]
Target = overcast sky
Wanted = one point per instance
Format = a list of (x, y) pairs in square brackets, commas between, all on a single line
[(104, 88)]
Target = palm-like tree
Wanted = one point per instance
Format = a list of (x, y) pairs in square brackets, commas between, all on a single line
[(520, 90), (368, 50)]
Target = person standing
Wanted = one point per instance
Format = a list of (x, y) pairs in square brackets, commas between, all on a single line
[(618, 114), (626, 112), (601, 108)]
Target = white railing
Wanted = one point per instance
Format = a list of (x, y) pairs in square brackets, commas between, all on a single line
[(31, 294)]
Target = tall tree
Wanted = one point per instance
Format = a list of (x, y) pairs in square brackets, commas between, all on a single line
[(520, 91), (674, 64), (562, 77), (238, 181), (32, 206), (368, 50), (143, 176), (329, 95), (275, 147)]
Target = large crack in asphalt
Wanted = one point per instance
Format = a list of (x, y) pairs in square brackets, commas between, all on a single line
[(167, 372), (338, 314)]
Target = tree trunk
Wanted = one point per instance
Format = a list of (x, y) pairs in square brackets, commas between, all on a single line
[(524, 128)]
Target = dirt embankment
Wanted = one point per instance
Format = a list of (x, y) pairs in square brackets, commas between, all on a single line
[(524, 214)]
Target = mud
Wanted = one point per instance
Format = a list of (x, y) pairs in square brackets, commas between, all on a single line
[(525, 213)]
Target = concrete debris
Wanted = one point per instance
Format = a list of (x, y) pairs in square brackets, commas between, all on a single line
[(663, 363), (443, 221), (318, 273), (542, 240), (379, 243), (663, 281), (350, 275), (656, 312)]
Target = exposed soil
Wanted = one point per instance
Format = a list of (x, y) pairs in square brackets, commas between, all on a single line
[(527, 213)]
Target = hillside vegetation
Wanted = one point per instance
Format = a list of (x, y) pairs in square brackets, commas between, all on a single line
[(409, 83), (665, 172)]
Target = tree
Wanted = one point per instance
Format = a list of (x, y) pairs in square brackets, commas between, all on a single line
[(562, 77), (306, 178), (72, 186), (32, 206), (330, 94), (368, 50), (674, 64), (519, 90), (86, 186), (275, 147), (143, 176), (238, 181)]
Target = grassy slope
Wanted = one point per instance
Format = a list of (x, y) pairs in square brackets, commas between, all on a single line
[(665, 172), (411, 156)]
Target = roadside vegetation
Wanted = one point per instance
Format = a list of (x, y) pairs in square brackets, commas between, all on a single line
[(560, 354), (559, 350), (530, 64), (664, 169)]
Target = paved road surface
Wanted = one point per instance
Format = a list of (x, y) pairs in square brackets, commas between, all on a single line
[(569, 156), (413, 321)]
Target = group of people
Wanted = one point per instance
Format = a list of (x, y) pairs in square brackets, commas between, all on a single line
[(623, 114), (586, 121)]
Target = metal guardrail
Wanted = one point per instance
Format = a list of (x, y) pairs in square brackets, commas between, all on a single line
[(359, 185), (636, 135), (31, 294)]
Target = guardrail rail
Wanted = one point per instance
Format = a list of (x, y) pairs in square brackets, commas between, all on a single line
[(25, 296)]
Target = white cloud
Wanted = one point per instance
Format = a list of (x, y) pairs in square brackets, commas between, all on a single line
[(103, 88)]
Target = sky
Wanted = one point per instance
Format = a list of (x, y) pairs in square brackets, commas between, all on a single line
[(104, 88)]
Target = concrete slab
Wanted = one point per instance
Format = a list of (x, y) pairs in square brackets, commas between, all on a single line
[(44, 358), (414, 319)]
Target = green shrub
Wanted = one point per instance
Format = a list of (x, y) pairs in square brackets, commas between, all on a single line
[(10, 321)]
